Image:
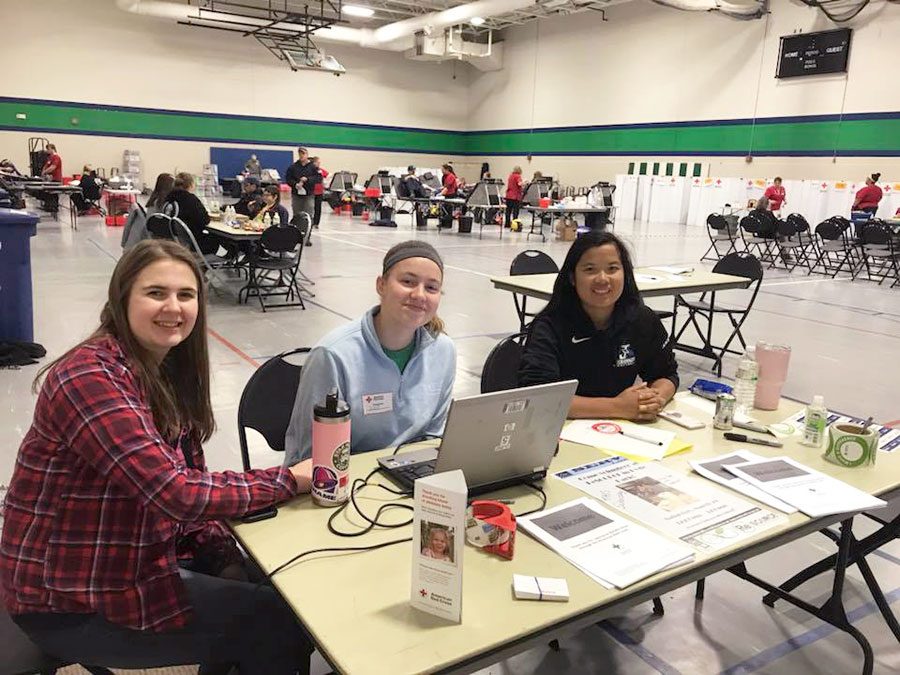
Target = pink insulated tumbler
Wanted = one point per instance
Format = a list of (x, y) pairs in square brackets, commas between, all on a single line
[(331, 451), (773, 366)]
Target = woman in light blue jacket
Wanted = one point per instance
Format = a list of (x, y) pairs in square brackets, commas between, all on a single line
[(394, 365)]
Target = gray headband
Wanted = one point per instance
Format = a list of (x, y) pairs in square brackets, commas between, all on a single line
[(411, 249)]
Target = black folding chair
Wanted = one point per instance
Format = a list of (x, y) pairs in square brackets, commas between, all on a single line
[(267, 402), (741, 264), (529, 262), (159, 225), (795, 242), (273, 268), (880, 247), (758, 230), (722, 231), (835, 247), (501, 368)]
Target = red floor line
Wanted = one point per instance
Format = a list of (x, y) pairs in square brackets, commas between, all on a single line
[(233, 348)]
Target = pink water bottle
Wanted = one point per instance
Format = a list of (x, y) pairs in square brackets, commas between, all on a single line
[(773, 366), (331, 451)]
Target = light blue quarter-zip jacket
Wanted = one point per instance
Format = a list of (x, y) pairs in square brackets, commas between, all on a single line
[(351, 358)]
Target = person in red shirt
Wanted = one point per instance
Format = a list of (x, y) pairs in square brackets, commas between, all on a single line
[(52, 169), (318, 192), (515, 190), (776, 194), (110, 496), (449, 182), (867, 198)]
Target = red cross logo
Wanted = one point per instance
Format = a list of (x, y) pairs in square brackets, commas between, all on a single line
[(718, 181), (423, 592)]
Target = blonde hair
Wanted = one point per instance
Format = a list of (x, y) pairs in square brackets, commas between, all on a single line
[(183, 181), (517, 169)]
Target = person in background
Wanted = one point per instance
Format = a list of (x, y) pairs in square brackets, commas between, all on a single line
[(90, 190), (597, 330), (868, 197), (52, 169), (302, 176), (7, 168), (776, 195), (114, 548), (271, 205), (165, 183), (318, 191), (192, 212), (250, 200), (253, 167), (515, 190), (394, 366), (449, 181)]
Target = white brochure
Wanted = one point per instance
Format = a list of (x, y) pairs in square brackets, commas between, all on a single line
[(714, 469), (620, 437), (814, 493), (888, 441), (608, 548), (439, 534), (678, 505)]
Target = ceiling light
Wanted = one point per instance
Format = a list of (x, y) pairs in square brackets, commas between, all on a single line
[(476, 21), (356, 10)]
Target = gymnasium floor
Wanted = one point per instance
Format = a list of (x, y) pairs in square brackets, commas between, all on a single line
[(845, 338)]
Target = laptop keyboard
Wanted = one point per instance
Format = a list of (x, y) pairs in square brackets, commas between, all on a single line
[(413, 471)]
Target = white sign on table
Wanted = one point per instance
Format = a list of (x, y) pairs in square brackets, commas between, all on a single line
[(439, 530)]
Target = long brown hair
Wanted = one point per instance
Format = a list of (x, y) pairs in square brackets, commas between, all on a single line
[(178, 388), (164, 184)]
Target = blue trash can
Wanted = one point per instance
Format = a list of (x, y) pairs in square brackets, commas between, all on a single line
[(16, 230)]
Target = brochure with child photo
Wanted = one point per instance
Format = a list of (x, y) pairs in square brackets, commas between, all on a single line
[(439, 526)]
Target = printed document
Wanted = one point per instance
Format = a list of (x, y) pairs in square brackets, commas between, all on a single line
[(814, 493), (680, 506), (714, 469), (608, 548)]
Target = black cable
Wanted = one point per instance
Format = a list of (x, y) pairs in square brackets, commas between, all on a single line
[(336, 549), (543, 505), (417, 439), (821, 5), (357, 485)]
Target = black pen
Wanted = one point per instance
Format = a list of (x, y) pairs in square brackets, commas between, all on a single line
[(743, 438)]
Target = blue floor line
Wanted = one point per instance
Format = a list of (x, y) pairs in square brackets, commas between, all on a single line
[(799, 641), (638, 650), (887, 556)]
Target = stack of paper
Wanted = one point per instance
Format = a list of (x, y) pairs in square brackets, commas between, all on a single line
[(680, 506), (714, 468), (611, 550), (815, 494), (623, 438)]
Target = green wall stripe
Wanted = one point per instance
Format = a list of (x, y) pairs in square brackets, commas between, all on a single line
[(58, 117), (878, 135), (881, 135)]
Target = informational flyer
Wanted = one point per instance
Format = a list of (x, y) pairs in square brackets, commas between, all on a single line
[(815, 494), (622, 438), (608, 548), (889, 439), (439, 532), (680, 506), (715, 469)]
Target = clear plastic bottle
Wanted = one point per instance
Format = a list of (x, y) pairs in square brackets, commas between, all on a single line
[(814, 422), (276, 219), (267, 221), (745, 381)]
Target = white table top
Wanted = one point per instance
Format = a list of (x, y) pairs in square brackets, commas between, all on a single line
[(218, 227), (699, 280), (356, 605)]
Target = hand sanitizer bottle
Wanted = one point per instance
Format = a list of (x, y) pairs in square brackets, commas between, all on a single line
[(814, 423)]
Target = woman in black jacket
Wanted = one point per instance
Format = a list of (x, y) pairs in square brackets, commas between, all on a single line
[(192, 212), (596, 329)]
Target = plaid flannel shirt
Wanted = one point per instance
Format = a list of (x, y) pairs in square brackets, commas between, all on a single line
[(100, 506)]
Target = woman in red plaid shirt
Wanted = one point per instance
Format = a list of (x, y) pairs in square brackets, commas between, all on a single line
[(110, 492)]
